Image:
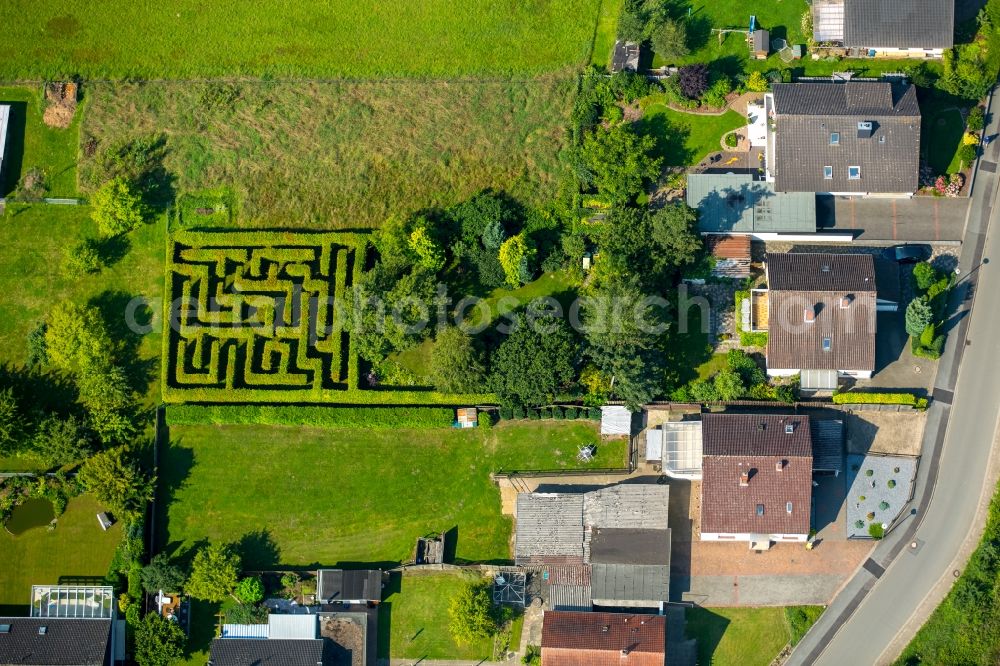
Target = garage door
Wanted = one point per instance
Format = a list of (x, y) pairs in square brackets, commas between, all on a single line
[(818, 380)]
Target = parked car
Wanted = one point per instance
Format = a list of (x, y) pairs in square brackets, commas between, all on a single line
[(908, 254)]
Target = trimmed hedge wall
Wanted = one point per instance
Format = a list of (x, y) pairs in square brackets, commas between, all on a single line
[(317, 417), (556, 412), (850, 398)]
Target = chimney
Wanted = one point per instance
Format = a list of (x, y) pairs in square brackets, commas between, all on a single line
[(845, 301), (865, 129), (779, 466), (624, 652), (809, 315), (744, 479)]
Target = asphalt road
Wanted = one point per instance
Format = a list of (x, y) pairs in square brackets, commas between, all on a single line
[(876, 604)]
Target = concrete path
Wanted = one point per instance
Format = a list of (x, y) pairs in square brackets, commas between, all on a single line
[(881, 607)]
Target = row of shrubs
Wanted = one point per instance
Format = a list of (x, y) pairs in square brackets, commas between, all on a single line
[(316, 417), (553, 412), (851, 398)]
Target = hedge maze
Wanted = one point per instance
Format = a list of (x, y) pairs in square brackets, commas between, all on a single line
[(259, 315)]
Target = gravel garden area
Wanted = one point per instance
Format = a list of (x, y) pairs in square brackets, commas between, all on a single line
[(878, 487)]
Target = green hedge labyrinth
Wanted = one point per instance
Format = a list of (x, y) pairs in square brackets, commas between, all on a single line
[(256, 311), (259, 316)]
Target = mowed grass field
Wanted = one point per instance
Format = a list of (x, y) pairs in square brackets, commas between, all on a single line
[(31, 144), (746, 636), (342, 154), (33, 240), (77, 548), (413, 618), (306, 38), (340, 496)]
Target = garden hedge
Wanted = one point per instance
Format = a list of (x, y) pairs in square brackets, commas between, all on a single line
[(316, 417), (851, 398)]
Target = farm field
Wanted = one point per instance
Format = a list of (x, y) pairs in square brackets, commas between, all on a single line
[(311, 38), (33, 240), (313, 489), (31, 144), (342, 155), (77, 548)]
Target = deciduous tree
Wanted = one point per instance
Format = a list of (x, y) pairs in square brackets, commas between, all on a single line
[(214, 572), (516, 254), (534, 362), (162, 574), (76, 338), (455, 364), (619, 162), (117, 481), (13, 424), (675, 237), (117, 207), (158, 641), (472, 614), (669, 39), (59, 441)]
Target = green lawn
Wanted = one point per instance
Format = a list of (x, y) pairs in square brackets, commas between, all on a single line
[(33, 240), (413, 619), (33, 144), (604, 36), (684, 139), (77, 548), (942, 130), (341, 496), (308, 38), (741, 636), (343, 154)]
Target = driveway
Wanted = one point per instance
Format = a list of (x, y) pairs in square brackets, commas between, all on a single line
[(713, 573), (895, 365), (916, 219)]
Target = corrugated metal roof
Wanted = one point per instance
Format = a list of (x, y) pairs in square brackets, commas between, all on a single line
[(828, 445), (244, 631), (900, 24), (623, 506), (736, 203), (297, 627), (570, 597), (549, 525), (629, 583)]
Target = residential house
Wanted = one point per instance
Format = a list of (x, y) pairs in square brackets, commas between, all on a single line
[(299, 639), (615, 538), (738, 203), (887, 28), (603, 639), (68, 625), (820, 316), (848, 138), (756, 478)]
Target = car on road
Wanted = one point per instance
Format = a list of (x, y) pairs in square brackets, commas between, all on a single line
[(908, 254)]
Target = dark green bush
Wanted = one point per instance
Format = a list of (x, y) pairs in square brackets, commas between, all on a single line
[(506, 413), (967, 153), (558, 412), (571, 413), (546, 412), (518, 413), (976, 119), (533, 414), (595, 413)]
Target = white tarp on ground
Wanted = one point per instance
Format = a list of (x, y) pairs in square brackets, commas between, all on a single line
[(654, 445), (616, 420), (4, 117)]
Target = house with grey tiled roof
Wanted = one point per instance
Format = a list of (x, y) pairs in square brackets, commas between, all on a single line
[(848, 138), (887, 28), (756, 478), (617, 537), (49, 641)]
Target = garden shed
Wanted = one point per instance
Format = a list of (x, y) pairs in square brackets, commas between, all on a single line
[(760, 44)]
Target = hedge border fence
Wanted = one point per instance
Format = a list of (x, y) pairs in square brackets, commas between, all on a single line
[(283, 245)]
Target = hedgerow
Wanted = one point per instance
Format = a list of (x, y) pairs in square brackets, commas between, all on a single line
[(852, 398), (310, 416)]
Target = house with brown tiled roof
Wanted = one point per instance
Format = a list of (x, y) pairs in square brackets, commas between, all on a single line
[(603, 639), (819, 311), (756, 478)]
